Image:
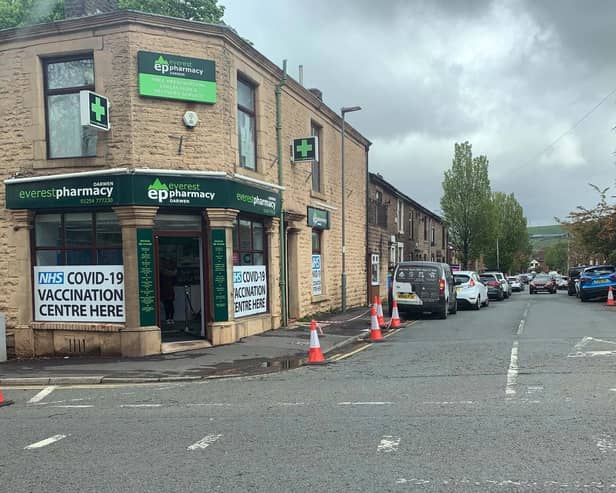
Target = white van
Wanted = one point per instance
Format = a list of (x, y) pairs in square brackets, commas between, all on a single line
[(424, 287)]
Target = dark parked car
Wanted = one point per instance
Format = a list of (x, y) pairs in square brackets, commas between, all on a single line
[(574, 273), (596, 280), (543, 282), (495, 287)]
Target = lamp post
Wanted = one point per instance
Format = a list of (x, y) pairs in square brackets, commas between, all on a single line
[(344, 110)]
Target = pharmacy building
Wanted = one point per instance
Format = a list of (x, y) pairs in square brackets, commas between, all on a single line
[(167, 186)]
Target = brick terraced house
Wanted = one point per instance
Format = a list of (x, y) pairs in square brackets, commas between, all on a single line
[(399, 229), (166, 226)]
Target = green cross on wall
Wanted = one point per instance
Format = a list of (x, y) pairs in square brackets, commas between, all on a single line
[(97, 109), (304, 148)]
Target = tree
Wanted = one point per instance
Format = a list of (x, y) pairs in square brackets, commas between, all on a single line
[(555, 257), (15, 13), (510, 235), (466, 203)]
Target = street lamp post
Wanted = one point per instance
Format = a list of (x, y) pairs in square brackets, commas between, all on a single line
[(344, 110)]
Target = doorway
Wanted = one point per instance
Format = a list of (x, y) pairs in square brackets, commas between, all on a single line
[(179, 263)]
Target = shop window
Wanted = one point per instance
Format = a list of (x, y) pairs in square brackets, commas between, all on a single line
[(246, 124), (63, 79), (80, 238), (317, 262), (248, 242), (315, 131)]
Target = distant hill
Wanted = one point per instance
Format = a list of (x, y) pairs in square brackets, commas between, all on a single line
[(542, 237)]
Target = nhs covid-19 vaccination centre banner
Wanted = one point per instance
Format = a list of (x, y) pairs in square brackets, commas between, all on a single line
[(79, 293), (249, 290)]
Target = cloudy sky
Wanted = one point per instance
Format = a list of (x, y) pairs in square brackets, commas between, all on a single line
[(511, 77)]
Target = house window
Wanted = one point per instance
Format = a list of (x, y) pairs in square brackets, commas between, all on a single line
[(246, 124), (443, 238), (400, 252), (63, 79), (248, 242), (411, 224), (425, 223), (433, 236), (375, 267), (400, 216), (317, 262), (315, 131), (392, 253), (78, 238)]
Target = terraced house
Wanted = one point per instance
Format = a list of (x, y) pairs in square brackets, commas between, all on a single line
[(399, 229), (150, 193)]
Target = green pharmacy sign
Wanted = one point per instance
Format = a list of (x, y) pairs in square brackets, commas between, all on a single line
[(305, 149), (94, 110), (176, 77), (318, 218)]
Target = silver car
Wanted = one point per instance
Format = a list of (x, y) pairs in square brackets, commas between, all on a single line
[(503, 280)]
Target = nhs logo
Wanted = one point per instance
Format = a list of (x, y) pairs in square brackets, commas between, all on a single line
[(237, 277), (51, 277)]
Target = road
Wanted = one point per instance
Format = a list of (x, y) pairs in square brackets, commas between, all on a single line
[(516, 397)]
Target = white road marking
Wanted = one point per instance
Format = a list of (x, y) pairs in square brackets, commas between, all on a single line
[(375, 403), (521, 327), (212, 404), (290, 403), (525, 484), (583, 354), (448, 402), (205, 442), (388, 444), (60, 402), (42, 394), (44, 443), (73, 406), (584, 341), (512, 373), (533, 389), (141, 405), (606, 443)]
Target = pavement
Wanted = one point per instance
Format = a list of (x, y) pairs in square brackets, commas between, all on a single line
[(274, 350)]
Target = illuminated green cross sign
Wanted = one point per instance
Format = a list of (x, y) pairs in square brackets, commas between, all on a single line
[(305, 149), (94, 110)]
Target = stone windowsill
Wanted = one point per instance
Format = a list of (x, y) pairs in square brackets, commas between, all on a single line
[(320, 298), (77, 326)]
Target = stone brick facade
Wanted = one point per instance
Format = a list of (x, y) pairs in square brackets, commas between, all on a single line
[(149, 133), (400, 229)]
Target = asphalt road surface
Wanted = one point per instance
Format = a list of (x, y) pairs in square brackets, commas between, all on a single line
[(519, 396)]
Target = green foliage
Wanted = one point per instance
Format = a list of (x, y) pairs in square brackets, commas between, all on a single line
[(556, 257), (193, 10), (466, 203), (510, 230), (16, 13)]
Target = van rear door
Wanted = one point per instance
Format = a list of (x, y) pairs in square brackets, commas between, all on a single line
[(417, 283)]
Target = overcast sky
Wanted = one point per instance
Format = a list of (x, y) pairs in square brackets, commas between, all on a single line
[(508, 76)]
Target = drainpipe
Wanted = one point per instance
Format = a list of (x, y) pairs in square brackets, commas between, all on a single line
[(284, 318)]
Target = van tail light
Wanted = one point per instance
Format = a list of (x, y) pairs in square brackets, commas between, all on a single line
[(441, 286), (494, 284), (471, 284)]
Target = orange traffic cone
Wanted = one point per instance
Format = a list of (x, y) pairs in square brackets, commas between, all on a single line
[(315, 356), (379, 311), (395, 317), (375, 330), (3, 402), (610, 297)]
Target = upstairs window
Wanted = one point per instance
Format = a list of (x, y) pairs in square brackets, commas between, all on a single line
[(315, 131), (63, 79), (433, 237), (246, 124), (400, 216)]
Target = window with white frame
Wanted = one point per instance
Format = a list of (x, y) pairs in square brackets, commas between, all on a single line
[(411, 225), (392, 253), (433, 236), (400, 216), (246, 124), (400, 252)]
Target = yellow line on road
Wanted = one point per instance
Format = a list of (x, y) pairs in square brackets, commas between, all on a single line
[(363, 348)]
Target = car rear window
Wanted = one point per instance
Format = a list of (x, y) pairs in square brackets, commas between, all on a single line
[(461, 278), (487, 277), (600, 270), (414, 273), (543, 277), (512, 279)]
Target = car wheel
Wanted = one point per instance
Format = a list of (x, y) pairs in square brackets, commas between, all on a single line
[(487, 302), (501, 296), (444, 311), (582, 299), (454, 310), (478, 304)]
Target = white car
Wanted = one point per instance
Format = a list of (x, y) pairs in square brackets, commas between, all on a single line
[(470, 290), (515, 283)]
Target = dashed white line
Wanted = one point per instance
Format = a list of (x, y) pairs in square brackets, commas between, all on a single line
[(368, 403), (605, 443), (141, 405), (388, 443), (42, 394), (44, 443), (512, 373), (73, 406), (521, 326), (438, 403), (205, 442)]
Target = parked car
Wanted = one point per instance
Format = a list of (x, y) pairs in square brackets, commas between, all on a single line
[(525, 278), (424, 287), (596, 280), (470, 291), (515, 283), (503, 280), (495, 288), (574, 276), (542, 282), (561, 282)]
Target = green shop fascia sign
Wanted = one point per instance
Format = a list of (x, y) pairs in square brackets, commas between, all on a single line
[(166, 76), (318, 218), (162, 190)]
